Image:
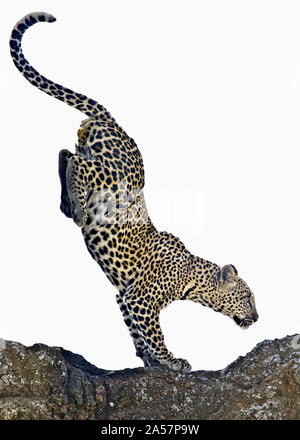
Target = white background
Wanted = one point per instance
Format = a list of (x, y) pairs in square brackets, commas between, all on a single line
[(210, 91)]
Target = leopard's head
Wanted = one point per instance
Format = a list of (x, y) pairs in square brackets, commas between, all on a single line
[(235, 299)]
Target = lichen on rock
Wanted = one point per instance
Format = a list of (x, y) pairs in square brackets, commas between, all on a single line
[(42, 382)]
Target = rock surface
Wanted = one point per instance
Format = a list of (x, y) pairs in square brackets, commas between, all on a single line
[(42, 382)]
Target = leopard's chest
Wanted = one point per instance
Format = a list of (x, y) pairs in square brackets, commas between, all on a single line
[(116, 245)]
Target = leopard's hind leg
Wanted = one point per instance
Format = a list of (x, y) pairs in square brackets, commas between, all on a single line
[(76, 180), (65, 203), (82, 177)]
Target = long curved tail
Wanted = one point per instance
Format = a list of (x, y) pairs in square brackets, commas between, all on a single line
[(81, 102)]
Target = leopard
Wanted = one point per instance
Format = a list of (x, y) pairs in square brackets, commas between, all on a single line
[(102, 191)]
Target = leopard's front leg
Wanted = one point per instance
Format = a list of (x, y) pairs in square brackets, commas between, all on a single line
[(146, 320), (142, 351)]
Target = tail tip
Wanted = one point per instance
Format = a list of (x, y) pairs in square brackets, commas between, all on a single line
[(52, 19), (31, 19), (41, 16)]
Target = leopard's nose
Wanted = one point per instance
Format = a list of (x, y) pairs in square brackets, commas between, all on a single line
[(254, 316)]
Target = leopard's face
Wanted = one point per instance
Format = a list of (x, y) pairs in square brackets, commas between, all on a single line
[(236, 299)]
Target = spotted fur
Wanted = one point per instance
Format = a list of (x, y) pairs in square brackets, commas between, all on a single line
[(102, 190)]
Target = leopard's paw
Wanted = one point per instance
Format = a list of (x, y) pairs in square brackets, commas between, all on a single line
[(181, 365)]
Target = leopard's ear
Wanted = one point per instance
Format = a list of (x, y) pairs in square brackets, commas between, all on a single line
[(227, 277)]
